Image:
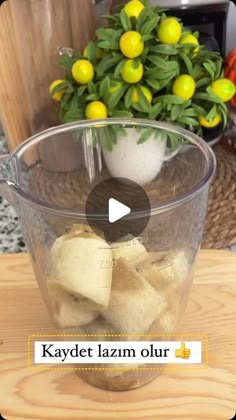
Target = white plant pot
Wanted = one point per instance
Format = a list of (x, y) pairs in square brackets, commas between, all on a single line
[(140, 163)]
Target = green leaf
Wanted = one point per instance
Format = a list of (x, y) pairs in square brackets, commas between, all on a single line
[(150, 25), (153, 83), (136, 63), (107, 138), (173, 66), (171, 99), (144, 55), (219, 68), (209, 69), (147, 37), (128, 97), (122, 114), (188, 121), (175, 141), (164, 49), (225, 117), (164, 83), (212, 113), (106, 63), (159, 74), (210, 97), (81, 90), (142, 18), (155, 111), (92, 88), (176, 111), (92, 97), (146, 134), (137, 107), (159, 62), (66, 62), (190, 112), (115, 98), (105, 34), (196, 34), (145, 105), (197, 71), (65, 101), (74, 105), (91, 51), (199, 109), (106, 45), (205, 81), (119, 68), (125, 21), (104, 87), (187, 62), (60, 87), (110, 17), (73, 115), (160, 135), (163, 17)]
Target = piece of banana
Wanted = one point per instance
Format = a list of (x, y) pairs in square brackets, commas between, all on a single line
[(68, 310), (165, 271), (83, 266), (130, 249), (101, 330), (134, 303)]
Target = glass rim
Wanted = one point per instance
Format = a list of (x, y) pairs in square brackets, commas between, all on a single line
[(194, 139)]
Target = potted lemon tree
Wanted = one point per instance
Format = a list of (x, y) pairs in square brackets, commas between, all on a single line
[(143, 64)]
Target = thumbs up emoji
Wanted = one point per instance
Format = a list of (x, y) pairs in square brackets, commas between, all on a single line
[(183, 352)]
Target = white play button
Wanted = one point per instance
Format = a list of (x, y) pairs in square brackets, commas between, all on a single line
[(117, 210)]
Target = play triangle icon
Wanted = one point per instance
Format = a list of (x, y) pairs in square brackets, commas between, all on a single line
[(117, 210)]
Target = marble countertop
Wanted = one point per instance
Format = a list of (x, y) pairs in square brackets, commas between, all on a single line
[(11, 239)]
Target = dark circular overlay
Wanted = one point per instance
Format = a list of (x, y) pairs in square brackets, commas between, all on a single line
[(125, 192)]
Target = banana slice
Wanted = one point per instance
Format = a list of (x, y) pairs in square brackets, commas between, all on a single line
[(100, 328), (68, 310), (82, 231), (83, 266), (134, 304), (131, 249), (165, 271)]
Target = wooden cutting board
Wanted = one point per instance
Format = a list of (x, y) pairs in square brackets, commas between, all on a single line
[(177, 394)]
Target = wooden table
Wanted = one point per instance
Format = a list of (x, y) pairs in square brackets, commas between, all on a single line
[(176, 394)]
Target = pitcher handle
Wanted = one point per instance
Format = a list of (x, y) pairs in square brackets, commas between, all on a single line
[(6, 163)]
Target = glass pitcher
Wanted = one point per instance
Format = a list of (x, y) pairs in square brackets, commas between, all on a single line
[(143, 284)]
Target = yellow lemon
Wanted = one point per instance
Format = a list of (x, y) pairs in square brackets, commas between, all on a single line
[(130, 73), (224, 89), (83, 71), (211, 123), (131, 44), (96, 110), (134, 8), (184, 86), (146, 92), (169, 31), (57, 96), (190, 39)]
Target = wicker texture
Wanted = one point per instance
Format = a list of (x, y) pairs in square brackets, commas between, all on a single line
[(71, 190), (220, 228)]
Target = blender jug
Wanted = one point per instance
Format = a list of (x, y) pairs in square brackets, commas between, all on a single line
[(113, 288)]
